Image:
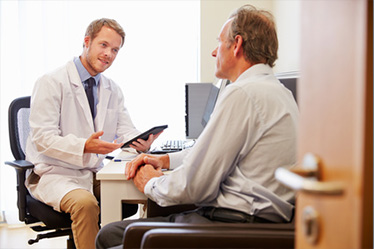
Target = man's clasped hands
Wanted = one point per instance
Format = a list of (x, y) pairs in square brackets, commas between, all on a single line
[(145, 167)]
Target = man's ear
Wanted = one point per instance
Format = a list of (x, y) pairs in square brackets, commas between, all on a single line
[(238, 44), (86, 41)]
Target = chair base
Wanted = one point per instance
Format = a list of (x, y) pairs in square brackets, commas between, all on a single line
[(56, 233)]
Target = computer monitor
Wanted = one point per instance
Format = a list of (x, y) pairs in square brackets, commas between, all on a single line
[(215, 91), (289, 80)]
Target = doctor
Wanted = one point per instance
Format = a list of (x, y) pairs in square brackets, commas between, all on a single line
[(69, 139)]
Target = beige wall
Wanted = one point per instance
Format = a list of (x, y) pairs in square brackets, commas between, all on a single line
[(214, 13), (287, 17)]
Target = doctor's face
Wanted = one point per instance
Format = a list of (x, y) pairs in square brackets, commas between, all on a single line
[(100, 52)]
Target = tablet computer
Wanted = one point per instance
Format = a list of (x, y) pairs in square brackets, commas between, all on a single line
[(146, 134)]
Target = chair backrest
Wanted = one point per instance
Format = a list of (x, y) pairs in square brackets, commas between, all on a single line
[(19, 128)]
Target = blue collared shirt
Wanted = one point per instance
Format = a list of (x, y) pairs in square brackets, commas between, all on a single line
[(85, 75)]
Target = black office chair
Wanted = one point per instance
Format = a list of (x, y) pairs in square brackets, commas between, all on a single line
[(216, 235), (222, 235), (31, 210)]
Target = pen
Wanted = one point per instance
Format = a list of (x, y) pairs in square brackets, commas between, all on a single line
[(118, 160)]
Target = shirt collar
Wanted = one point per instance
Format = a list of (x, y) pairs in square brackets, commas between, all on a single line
[(255, 71), (83, 73)]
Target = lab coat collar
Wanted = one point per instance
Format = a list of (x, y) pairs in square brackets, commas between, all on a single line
[(104, 95), (78, 89), (105, 92)]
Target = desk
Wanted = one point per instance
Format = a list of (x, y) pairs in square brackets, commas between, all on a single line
[(115, 188)]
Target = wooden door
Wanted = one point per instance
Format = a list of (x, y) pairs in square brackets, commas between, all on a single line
[(335, 100)]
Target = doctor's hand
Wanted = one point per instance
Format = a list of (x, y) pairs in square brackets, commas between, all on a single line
[(95, 145), (143, 145), (158, 162), (144, 174)]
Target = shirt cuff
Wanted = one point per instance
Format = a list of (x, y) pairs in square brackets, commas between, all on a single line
[(176, 158), (149, 187)]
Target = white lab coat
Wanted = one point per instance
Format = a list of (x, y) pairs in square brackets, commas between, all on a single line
[(61, 122)]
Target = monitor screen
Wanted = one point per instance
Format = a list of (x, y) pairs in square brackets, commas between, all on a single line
[(212, 99), (289, 80), (211, 102)]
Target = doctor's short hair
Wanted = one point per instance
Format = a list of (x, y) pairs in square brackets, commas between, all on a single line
[(95, 26), (258, 30)]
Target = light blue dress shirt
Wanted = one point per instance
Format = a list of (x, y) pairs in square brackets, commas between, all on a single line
[(85, 75)]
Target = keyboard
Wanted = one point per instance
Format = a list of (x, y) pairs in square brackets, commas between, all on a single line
[(169, 146)]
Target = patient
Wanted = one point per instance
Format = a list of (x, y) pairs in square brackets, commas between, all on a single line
[(229, 173)]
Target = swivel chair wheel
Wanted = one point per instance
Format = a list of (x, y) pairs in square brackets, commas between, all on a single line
[(32, 241)]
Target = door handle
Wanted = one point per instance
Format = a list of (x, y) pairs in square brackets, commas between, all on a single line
[(308, 178)]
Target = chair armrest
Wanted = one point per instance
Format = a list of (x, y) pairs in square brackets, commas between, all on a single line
[(134, 232), (212, 238), (20, 164)]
